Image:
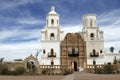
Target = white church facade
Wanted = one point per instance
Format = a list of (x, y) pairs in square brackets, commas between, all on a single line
[(52, 35)]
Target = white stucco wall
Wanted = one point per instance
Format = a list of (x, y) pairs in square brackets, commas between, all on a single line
[(94, 45), (107, 58), (47, 45)]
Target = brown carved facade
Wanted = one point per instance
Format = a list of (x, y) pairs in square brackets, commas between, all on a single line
[(73, 51)]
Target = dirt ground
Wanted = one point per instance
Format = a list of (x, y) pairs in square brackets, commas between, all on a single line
[(89, 76), (77, 76), (100, 77), (31, 77)]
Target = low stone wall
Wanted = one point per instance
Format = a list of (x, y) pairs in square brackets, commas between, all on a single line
[(91, 68), (13, 65), (57, 69)]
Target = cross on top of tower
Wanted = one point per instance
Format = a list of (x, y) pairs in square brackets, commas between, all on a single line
[(52, 10)]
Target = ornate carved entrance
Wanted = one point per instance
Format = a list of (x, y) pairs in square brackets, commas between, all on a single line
[(73, 51)]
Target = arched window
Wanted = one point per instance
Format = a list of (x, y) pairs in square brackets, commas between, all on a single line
[(52, 21), (52, 36), (91, 24), (92, 36), (94, 62), (52, 51), (52, 62), (94, 51), (43, 51), (100, 51)]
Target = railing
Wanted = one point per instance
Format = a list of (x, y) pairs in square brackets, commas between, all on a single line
[(94, 54), (71, 53), (91, 68), (52, 54), (53, 66)]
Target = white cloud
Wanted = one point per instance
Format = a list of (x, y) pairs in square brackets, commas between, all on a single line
[(11, 51), (111, 32), (72, 29), (19, 50), (26, 19), (30, 20), (19, 34), (109, 17), (116, 23)]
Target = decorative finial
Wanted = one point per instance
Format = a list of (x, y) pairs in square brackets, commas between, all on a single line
[(52, 8)]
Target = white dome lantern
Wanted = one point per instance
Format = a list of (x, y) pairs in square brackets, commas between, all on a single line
[(52, 10)]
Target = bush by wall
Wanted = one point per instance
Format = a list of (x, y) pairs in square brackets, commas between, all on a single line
[(106, 69), (51, 71), (17, 71)]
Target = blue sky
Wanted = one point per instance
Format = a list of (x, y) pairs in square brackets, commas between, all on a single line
[(22, 20)]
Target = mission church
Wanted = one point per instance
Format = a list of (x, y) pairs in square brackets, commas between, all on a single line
[(74, 49)]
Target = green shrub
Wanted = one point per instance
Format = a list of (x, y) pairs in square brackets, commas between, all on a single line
[(99, 70), (19, 70), (51, 71), (108, 69), (11, 72), (3, 69), (115, 61), (44, 71), (66, 71)]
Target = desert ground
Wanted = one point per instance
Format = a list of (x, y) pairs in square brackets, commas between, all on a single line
[(74, 76), (32, 77), (89, 76)]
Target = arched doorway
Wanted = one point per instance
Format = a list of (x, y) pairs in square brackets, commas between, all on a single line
[(75, 66), (31, 66)]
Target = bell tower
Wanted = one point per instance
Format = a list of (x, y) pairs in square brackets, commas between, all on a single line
[(93, 37), (51, 35), (52, 30)]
